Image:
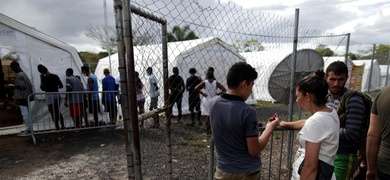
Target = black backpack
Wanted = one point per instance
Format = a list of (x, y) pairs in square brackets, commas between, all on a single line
[(367, 99), (341, 109)]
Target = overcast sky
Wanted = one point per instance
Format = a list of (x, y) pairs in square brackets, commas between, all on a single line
[(368, 21)]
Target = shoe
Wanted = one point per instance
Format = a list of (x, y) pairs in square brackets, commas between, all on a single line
[(24, 133)]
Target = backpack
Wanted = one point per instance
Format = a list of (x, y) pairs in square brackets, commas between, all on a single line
[(341, 112), (367, 100)]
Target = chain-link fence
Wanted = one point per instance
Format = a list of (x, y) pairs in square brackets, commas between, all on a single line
[(212, 34)]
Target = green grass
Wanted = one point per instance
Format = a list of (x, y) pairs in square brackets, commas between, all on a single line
[(268, 104)]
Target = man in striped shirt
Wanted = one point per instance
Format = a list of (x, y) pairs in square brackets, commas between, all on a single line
[(346, 157)]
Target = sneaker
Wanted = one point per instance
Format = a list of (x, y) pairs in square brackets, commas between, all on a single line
[(24, 133)]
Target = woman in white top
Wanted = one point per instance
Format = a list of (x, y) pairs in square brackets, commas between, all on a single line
[(318, 137), (209, 90)]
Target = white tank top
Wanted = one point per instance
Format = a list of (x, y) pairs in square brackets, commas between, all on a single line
[(210, 88)]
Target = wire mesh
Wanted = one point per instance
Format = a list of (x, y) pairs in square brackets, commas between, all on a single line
[(206, 34)]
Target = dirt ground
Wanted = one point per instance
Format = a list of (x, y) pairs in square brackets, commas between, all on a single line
[(101, 154), (91, 154)]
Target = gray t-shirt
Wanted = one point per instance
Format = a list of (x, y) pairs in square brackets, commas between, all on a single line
[(232, 121), (75, 85)]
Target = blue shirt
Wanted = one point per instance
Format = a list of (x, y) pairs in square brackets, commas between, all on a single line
[(95, 96), (152, 81), (109, 84)]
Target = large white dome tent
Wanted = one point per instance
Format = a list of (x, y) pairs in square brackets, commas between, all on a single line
[(264, 62), (199, 54), (31, 47)]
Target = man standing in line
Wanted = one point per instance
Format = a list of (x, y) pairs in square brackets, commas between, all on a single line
[(350, 128), (93, 96), (193, 96), (22, 89), (76, 109), (109, 98), (378, 138), (154, 94), (235, 127), (176, 85), (51, 83)]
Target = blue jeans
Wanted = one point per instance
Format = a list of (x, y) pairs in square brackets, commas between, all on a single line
[(26, 117)]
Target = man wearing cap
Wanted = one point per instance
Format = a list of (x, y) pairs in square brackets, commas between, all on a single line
[(109, 98), (93, 98)]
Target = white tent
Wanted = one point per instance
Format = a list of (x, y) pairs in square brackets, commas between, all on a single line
[(199, 54), (384, 75), (32, 47), (330, 59), (375, 77), (264, 62)]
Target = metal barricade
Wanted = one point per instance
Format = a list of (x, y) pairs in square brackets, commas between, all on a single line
[(49, 112)]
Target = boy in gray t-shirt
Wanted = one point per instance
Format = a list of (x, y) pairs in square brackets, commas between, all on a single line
[(235, 128)]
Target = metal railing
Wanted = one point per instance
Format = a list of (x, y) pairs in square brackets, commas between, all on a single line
[(49, 113), (276, 166)]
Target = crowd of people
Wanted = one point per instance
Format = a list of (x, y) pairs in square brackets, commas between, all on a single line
[(329, 142), (332, 141)]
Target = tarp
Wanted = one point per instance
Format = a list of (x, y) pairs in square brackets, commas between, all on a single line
[(199, 54), (375, 76), (34, 47)]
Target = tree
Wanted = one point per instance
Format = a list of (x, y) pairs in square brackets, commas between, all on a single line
[(324, 51), (90, 59), (352, 56), (98, 33), (248, 46), (382, 53), (181, 34)]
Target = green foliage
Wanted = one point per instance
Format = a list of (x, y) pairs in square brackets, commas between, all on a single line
[(181, 34), (324, 51), (102, 54), (248, 46), (352, 56), (90, 59), (382, 53)]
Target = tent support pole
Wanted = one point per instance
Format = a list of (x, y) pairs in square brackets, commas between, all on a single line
[(372, 65)]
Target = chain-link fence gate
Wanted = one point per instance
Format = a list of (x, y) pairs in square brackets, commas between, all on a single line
[(205, 34)]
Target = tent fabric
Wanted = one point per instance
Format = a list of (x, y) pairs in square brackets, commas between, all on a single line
[(199, 54), (384, 74), (375, 76), (264, 62), (34, 47)]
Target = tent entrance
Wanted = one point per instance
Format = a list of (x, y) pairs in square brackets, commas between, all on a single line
[(9, 113)]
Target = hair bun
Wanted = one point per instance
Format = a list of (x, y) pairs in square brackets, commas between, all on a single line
[(319, 73)]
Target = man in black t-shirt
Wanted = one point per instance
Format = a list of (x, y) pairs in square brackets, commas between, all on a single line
[(176, 85), (51, 83), (193, 96)]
